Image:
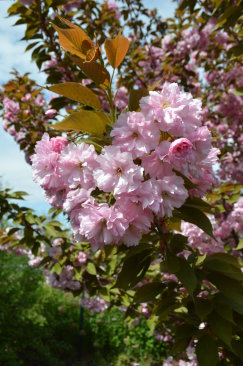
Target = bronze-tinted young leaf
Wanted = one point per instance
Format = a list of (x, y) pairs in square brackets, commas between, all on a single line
[(74, 39), (116, 49), (91, 122), (93, 54), (134, 98), (77, 92), (93, 71)]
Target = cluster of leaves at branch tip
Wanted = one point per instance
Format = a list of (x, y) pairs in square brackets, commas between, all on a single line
[(87, 55)]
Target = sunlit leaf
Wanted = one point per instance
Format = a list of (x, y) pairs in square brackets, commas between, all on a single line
[(93, 71), (74, 39), (92, 122), (134, 98), (77, 92), (116, 49)]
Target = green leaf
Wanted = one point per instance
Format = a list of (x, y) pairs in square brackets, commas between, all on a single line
[(226, 14), (187, 276), (224, 263), (236, 51), (152, 322), (90, 268), (237, 346), (196, 217), (230, 288), (224, 310), (200, 260), (177, 243), (133, 270), (92, 122), (238, 91), (172, 263), (221, 327), (232, 304), (180, 345), (207, 351), (183, 336), (143, 247), (198, 203), (164, 307), (148, 292), (240, 245), (203, 307), (104, 293), (77, 92), (57, 268)]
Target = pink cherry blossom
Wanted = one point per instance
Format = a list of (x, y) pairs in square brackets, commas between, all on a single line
[(81, 259), (76, 165), (117, 171), (73, 205), (139, 219), (50, 113), (45, 163), (95, 304), (181, 149), (134, 134), (173, 194), (176, 111), (113, 6), (121, 99), (157, 164), (101, 224)]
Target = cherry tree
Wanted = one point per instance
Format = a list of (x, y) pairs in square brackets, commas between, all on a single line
[(146, 165)]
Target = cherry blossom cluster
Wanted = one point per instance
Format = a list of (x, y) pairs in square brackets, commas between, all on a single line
[(22, 116), (96, 304), (112, 197), (189, 58), (225, 225)]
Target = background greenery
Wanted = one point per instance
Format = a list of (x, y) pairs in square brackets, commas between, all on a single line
[(39, 326)]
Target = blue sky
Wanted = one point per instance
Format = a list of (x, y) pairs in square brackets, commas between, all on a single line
[(14, 171)]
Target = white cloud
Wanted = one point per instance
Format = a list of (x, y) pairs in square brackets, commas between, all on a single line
[(12, 48)]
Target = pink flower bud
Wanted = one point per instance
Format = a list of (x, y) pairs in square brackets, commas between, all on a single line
[(50, 113), (180, 148)]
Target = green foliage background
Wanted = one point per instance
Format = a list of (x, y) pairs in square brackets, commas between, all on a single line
[(40, 326)]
